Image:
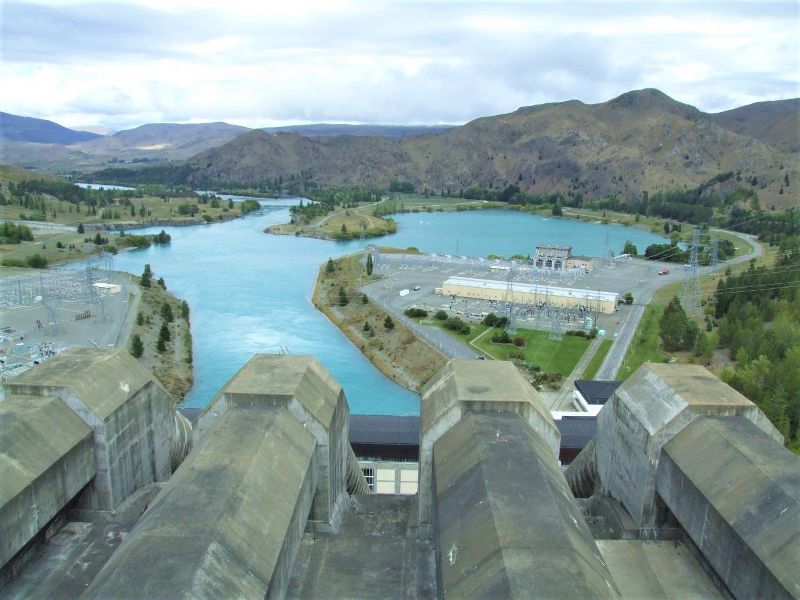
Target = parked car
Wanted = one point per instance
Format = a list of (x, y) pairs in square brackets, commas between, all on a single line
[(664, 272)]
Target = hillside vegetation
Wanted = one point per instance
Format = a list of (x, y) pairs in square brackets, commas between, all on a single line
[(642, 142)]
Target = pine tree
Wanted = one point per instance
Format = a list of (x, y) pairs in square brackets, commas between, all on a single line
[(343, 300), (388, 323), (166, 312), (163, 333), (161, 345), (140, 318), (137, 347), (369, 264)]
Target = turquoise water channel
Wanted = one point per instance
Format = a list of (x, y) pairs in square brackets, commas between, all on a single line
[(251, 292)]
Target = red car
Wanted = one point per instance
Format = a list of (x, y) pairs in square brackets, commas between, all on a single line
[(664, 272)]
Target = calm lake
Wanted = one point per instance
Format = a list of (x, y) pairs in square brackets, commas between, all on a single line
[(251, 292)]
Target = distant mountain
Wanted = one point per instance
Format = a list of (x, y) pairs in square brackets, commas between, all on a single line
[(166, 140), (777, 123), (14, 128), (641, 141), (396, 132)]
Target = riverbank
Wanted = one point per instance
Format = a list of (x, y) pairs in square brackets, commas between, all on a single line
[(172, 362), (389, 345)]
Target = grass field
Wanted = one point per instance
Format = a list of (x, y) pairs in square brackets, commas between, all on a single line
[(645, 344), (549, 355), (155, 209), (597, 360), (420, 202)]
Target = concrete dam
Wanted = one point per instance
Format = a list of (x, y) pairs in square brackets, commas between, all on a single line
[(106, 492)]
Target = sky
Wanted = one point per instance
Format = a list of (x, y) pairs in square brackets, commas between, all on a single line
[(123, 63)]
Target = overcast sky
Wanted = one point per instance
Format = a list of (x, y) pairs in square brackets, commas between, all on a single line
[(128, 62)]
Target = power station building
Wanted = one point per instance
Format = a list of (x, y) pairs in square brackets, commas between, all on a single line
[(560, 258), (532, 294)]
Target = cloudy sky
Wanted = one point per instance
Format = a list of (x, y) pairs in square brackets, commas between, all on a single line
[(127, 62)]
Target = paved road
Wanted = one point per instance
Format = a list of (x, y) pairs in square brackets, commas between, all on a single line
[(613, 361), (441, 340)]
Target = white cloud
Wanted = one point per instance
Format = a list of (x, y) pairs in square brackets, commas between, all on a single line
[(257, 63)]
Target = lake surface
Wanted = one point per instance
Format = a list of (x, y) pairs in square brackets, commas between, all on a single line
[(103, 186), (251, 292)]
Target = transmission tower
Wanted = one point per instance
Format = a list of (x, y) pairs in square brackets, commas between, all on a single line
[(690, 291), (714, 254), (508, 298)]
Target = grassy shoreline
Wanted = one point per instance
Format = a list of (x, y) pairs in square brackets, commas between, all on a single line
[(397, 351)]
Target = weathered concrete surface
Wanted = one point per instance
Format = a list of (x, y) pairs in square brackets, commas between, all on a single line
[(736, 492), (374, 556), (647, 411), (230, 521), (301, 385), (65, 566), (656, 570), (465, 386), (506, 523), (131, 415), (46, 458)]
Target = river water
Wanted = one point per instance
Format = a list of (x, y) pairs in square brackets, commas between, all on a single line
[(251, 292)]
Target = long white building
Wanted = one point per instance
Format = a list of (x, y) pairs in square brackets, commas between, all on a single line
[(530, 293)]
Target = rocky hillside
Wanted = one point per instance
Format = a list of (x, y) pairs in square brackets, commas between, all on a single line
[(775, 123), (641, 141)]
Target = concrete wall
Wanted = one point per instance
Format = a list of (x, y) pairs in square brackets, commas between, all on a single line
[(229, 523), (647, 411), (131, 415), (46, 458), (300, 385), (736, 493), (465, 386), (506, 524)]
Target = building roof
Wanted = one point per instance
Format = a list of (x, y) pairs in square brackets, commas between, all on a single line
[(576, 432), (596, 391), (532, 288), (492, 474), (384, 430)]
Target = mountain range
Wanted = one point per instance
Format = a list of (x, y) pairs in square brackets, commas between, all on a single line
[(641, 141)]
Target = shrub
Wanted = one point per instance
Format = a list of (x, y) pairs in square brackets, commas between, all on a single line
[(36, 261), (416, 313), (519, 341), (440, 315), (388, 323), (501, 337)]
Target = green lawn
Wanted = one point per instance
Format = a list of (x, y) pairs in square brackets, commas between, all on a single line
[(549, 355), (644, 346), (597, 360)]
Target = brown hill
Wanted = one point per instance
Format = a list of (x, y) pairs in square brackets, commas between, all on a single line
[(641, 141), (776, 123)]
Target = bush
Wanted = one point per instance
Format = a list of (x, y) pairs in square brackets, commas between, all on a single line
[(416, 313), (519, 341), (388, 323), (501, 337), (440, 315), (36, 261), (457, 325), (13, 262), (162, 238)]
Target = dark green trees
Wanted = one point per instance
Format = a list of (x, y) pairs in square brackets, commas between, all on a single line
[(369, 264), (678, 332), (137, 347)]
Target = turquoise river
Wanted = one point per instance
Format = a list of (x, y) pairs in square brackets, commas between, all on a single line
[(251, 292)]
